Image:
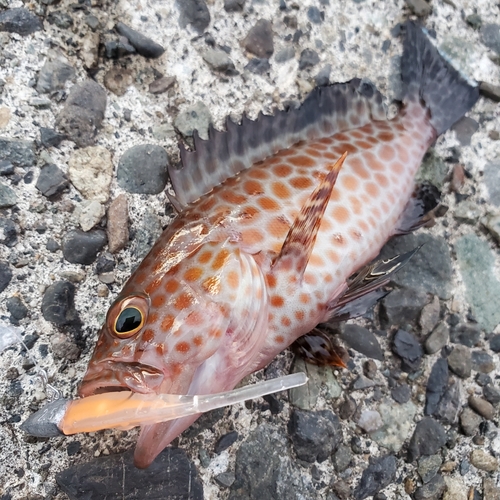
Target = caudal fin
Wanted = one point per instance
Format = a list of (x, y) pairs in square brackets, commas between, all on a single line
[(428, 76)]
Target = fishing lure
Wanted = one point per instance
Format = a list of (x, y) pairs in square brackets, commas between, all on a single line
[(277, 220)]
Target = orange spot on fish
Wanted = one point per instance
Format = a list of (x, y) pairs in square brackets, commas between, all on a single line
[(277, 301), (167, 322), (349, 182), (253, 187), (316, 260), (220, 259), (363, 145), (207, 204), (386, 152), (232, 197), (152, 317), (171, 286), (258, 173), (271, 280), (194, 318), (304, 298), (154, 285), (299, 315), (313, 152), (310, 279), (216, 333), (182, 347), (160, 349), (233, 279), (268, 203), (363, 226), (279, 339), (285, 321), (341, 214), (385, 136), (358, 168), (205, 257), (148, 335), (183, 301), (302, 161), (193, 274), (278, 227), (198, 341), (158, 300), (282, 170), (356, 134), (280, 190), (301, 182), (397, 167), (372, 189), (333, 256)]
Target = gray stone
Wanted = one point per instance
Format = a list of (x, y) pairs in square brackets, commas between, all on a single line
[(451, 403), (342, 458), (219, 61), (308, 59), (491, 180), (469, 422), (429, 436), (18, 152), (8, 197), (259, 40), (401, 393), (492, 223), (16, 307), (58, 303), (361, 383), (490, 92), (438, 338), (258, 66), (117, 226), (141, 43), (161, 85), (195, 13), (20, 21), (323, 76), (495, 343), (8, 232), (61, 19), (225, 441), (433, 169), (420, 8), (50, 138), (380, 473), (468, 334), (143, 169), (482, 362), (54, 73), (492, 394), (428, 467), (51, 180), (407, 347), (402, 306), (430, 315), (490, 490), (482, 288), (315, 15), (82, 248), (5, 275), (484, 461), (196, 117), (370, 421), (225, 479), (467, 212), (429, 270), (83, 113), (490, 36), (285, 54), (481, 406), (118, 80), (433, 490), (234, 5), (436, 386), (464, 129), (460, 361), (362, 340), (171, 475), (146, 235), (6, 167)]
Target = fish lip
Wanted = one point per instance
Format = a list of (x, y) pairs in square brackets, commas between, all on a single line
[(115, 376)]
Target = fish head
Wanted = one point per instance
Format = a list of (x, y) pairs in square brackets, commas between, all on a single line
[(190, 328)]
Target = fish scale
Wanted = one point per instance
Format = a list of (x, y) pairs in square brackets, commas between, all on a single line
[(275, 216)]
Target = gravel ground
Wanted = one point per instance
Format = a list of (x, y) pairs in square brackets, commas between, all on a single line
[(416, 414)]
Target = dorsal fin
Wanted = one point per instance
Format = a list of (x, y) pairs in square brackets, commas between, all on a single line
[(299, 241), (326, 111)]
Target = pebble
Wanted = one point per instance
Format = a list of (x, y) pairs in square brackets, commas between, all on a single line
[(361, 383), (285, 54), (457, 178), (464, 129), (438, 338), (8, 232), (16, 307), (20, 21), (428, 467), (52, 245), (481, 406), (161, 85), (451, 403), (398, 420), (64, 347), (482, 379), (490, 36), (54, 73), (490, 91), (323, 76), (380, 473), (490, 392), (171, 475), (82, 248), (90, 50), (491, 179), (482, 362), (151, 177), (259, 40), (50, 137), (219, 61), (342, 458), (58, 303), (370, 369), (89, 213), (420, 8), (402, 306), (118, 80), (6, 167), (141, 43), (362, 340), (436, 386), (429, 270), (308, 59), (433, 490), (429, 315), (492, 223), (315, 435), (195, 13), (225, 441), (347, 409), (225, 479), (234, 5), (117, 226), (90, 170), (401, 393), (51, 181), (490, 490), (469, 422), (195, 117), (495, 343), (147, 233), (466, 334), (8, 197), (429, 436), (460, 361), (315, 15), (61, 19), (18, 152), (484, 461), (407, 347), (115, 49), (467, 212), (83, 113), (370, 421), (105, 263), (258, 66)]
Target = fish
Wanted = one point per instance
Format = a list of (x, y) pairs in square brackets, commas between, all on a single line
[(278, 222)]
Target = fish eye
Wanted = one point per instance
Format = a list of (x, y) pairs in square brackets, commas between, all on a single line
[(128, 322)]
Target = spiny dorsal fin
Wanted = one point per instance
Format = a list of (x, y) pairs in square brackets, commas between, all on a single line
[(326, 111), (299, 242)]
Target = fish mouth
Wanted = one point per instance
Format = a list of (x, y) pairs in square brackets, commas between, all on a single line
[(115, 376)]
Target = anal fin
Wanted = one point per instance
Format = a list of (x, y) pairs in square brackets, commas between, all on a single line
[(319, 348), (363, 288), (301, 237)]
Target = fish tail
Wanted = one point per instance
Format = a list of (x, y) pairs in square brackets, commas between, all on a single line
[(429, 77)]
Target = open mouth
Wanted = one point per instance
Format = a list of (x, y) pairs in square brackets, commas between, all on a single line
[(116, 377)]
